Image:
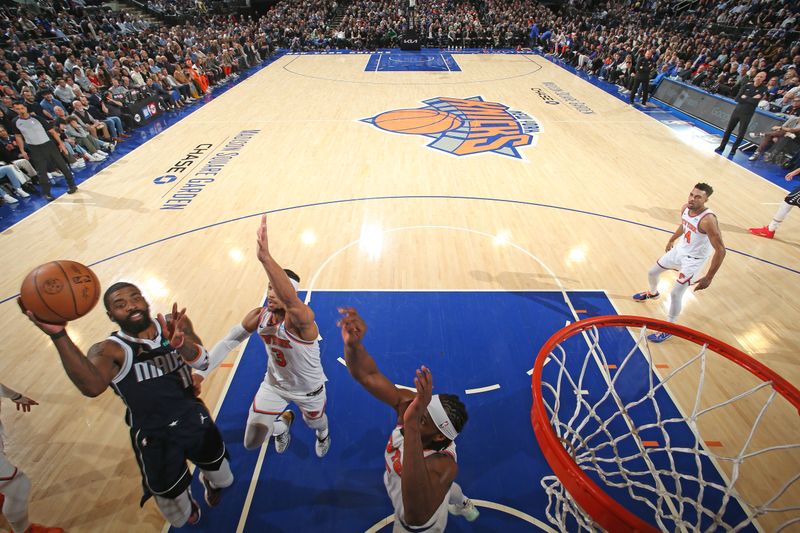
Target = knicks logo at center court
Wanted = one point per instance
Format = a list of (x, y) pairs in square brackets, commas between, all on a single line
[(463, 126)]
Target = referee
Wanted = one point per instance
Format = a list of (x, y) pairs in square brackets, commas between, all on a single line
[(32, 133), (746, 102)]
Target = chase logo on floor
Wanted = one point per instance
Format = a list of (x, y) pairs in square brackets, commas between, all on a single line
[(463, 126)]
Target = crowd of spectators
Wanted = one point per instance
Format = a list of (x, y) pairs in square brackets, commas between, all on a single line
[(80, 68), (717, 46), (82, 73)]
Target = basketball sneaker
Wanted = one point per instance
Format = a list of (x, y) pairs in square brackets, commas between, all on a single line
[(282, 441), (658, 337), (762, 232), (467, 510), (213, 495), (38, 528), (646, 295), (194, 516), (322, 446)]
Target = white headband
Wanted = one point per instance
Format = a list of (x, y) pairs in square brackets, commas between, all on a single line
[(295, 285), (440, 418)]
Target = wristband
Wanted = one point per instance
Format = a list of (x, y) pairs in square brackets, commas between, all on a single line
[(17, 397), (62, 333)]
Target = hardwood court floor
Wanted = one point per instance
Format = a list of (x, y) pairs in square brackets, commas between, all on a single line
[(588, 201)]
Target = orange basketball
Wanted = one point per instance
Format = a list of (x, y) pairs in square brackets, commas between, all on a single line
[(60, 291), (418, 121)]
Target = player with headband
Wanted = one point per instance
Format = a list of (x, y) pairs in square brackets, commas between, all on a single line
[(420, 458)]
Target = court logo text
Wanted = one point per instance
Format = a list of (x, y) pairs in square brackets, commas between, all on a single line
[(541, 93), (579, 106), (463, 126)]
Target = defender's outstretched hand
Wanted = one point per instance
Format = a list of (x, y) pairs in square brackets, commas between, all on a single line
[(419, 406), (353, 326), (262, 251), (24, 404)]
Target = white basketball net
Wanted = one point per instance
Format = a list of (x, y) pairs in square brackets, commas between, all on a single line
[(593, 444)]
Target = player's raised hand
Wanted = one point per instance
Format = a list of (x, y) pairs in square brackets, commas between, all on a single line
[(262, 250), (24, 404), (352, 325), (172, 329), (419, 406)]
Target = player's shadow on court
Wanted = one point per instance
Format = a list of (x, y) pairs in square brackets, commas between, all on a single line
[(659, 213), (516, 281), (105, 201), (672, 216)]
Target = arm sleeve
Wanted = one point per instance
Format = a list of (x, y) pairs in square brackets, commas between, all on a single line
[(7, 392), (226, 345)]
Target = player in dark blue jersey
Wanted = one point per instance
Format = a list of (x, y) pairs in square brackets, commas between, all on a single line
[(147, 363)]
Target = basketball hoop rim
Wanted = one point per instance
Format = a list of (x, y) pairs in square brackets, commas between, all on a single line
[(603, 509)]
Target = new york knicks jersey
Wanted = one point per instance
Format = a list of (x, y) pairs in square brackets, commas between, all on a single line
[(393, 461), (294, 364), (693, 243), (154, 382)]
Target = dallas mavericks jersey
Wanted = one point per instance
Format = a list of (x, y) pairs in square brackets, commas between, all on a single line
[(693, 243), (393, 461), (154, 382), (294, 364)]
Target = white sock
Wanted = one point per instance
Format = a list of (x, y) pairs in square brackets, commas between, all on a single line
[(779, 216), (456, 496), (279, 427)]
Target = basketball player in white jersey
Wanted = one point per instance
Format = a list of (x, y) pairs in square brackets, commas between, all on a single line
[(15, 487), (294, 370), (697, 236), (420, 458)]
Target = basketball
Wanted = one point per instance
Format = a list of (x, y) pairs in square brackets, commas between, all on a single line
[(59, 291), (417, 121)]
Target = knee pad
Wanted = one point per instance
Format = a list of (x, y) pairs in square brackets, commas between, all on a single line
[(176, 509), (320, 422), (257, 434), (221, 477)]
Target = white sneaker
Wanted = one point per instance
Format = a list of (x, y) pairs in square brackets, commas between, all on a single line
[(7, 198), (78, 165), (282, 441), (321, 447), (101, 152), (96, 157), (467, 510), (21, 193)]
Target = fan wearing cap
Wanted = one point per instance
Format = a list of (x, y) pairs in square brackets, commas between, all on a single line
[(420, 458)]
